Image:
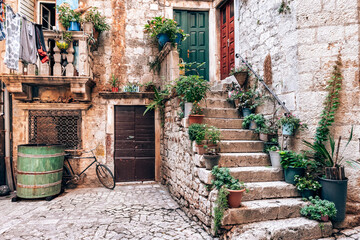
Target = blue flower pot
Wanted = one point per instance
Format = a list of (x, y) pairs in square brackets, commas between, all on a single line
[(162, 39), (287, 129), (246, 112), (74, 26), (178, 38)]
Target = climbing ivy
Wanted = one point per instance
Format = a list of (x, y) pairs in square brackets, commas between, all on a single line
[(221, 205), (331, 103)]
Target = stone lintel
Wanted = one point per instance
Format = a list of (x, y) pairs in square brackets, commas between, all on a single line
[(126, 95)]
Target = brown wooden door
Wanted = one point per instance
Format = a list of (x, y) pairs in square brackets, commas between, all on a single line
[(227, 38), (134, 153)]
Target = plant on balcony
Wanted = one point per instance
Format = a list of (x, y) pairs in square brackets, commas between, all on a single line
[(114, 82), (68, 18), (64, 42), (97, 19), (290, 124), (320, 210)]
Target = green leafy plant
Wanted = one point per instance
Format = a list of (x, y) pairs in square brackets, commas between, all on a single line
[(234, 94), (258, 119), (212, 135), (67, 15), (285, 7), (163, 25), (191, 68), (196, 109), (221, 206), (294, 122), (131, 87), (241, 68), (306, 183), (95, 17), (292, 159), (318, 208), (192, 88), (224, 179), (250, 99), (197, 133), (114, 81), (160, 98), (274, 148), (67, 36)]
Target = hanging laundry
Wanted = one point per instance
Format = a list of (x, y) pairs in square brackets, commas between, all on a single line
[(12, 40), (2, 19), (40, 44), (28, 50)]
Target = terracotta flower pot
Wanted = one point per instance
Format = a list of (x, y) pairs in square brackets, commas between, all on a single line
[(200, 148), (325, 218), (114, 89), (196, 119), (234, 197), (241, 77)]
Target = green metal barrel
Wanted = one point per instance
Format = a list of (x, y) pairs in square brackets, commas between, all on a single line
[(39, 170)]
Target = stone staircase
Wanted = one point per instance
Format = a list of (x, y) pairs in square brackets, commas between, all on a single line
[(271, 209)]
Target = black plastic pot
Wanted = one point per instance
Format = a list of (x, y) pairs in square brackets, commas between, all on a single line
[(290, 173), (307, 193), (211, 161), (335, 191)]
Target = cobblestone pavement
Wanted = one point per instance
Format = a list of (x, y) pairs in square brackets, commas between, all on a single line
[(128, 212), (345, 234)]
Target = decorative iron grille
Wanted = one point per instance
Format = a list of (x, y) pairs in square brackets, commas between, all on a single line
[(55, 127)]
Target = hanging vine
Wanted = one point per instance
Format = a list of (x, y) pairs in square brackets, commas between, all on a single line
[(221, 206), (331, 103)]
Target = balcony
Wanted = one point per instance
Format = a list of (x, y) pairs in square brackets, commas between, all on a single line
[(74, 79)]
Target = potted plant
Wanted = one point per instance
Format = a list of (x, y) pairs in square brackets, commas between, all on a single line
[(334, 182), (68, 18), (307, 186), (254, 122), (211, 157), (248, 101), (211, 148), (293, 164), (240, 73), (148, 87), (196, 114), (197, 133), (192, 89), (235, 188), (320, 210), (95, 21), (114, 82), (275, 156), (64, 42), (131, 87), (233, 96), (290, 124)]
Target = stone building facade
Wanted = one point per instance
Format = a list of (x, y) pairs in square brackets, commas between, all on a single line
[(303, 46)]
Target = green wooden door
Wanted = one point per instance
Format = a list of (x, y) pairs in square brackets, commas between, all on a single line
[(196, 47)]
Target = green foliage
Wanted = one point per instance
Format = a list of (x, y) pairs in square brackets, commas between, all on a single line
[(160, 97), (191, 68), (221, 206), (241, 68), (193, 88), (114, 81), (67, 36), (95, 17), (155, 66), (224, 179), (285, 7), (258, 119), (234, 94), (331, 103), (67, 15), (212, 135), (164, 25), (197, 133), (292, 159), (306, 183), (294, 122), (250, 99), (131, 87), (318, 208), (274, 148), (196, 109)]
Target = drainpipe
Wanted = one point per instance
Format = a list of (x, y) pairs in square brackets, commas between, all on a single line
[(9, 175)]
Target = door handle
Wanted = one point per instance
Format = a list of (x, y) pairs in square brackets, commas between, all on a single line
[(228, 42)]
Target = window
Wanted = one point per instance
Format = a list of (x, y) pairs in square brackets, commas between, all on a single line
[(46, 14), (55, 127)]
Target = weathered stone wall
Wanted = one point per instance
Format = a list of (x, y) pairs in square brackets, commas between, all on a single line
[(304, 46)]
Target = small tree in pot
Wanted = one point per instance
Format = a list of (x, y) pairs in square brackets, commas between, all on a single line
[(197, 133), (114, 82), (249, 100)]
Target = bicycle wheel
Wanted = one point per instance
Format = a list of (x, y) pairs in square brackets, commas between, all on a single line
[(105, 176)]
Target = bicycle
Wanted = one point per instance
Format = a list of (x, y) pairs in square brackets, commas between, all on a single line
[(104, 174)]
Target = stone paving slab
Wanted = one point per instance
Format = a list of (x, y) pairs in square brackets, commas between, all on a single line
[(127, 212)]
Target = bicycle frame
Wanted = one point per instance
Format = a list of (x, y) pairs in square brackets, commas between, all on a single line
[(71, 169)]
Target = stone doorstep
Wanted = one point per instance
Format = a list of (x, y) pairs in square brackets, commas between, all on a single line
[(241, 146), (246, 174), (244, 159), (268, 190), (263, 210), (221, 113), (224, 123), (293, 228), (238, 134)]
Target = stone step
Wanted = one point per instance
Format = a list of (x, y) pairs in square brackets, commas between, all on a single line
[(217, 94), (224, 123), (244, 159), (267, 190), (216, 103), (246, 174), (292, 228), (238, 134), (221, 113), (257, 174), (263, 210), (239, 146)]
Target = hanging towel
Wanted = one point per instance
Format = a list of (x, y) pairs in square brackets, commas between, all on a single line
[(40, 44), (2, 19), (28, 50), (12, 40)]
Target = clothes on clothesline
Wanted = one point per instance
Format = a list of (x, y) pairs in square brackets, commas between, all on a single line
[(2, 19), (40, 44), (28, 50), (12, 39)]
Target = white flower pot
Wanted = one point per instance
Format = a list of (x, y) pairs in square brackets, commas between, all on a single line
[(275, 159), (188, 107)]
